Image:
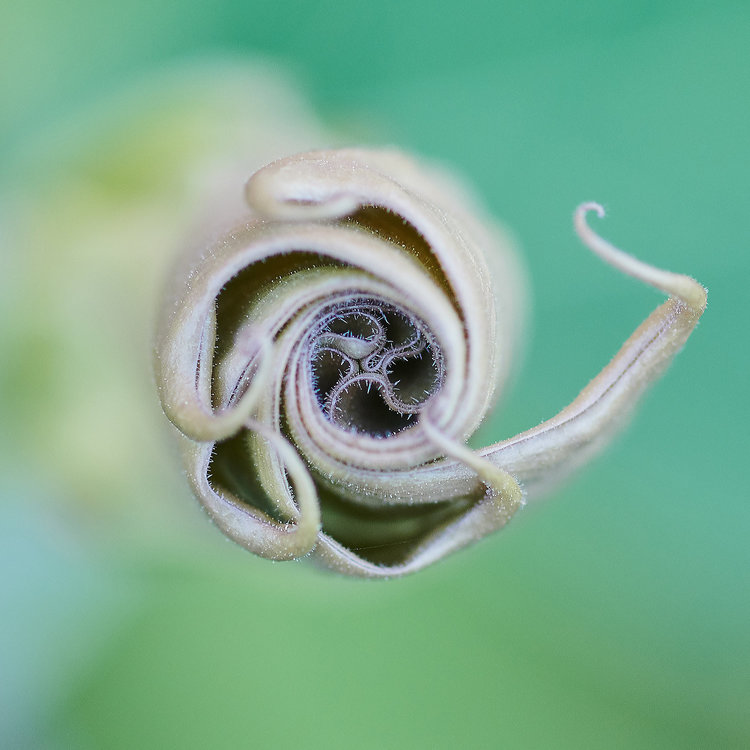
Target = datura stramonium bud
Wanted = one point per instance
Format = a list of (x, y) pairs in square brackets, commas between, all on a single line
[(325, 360)]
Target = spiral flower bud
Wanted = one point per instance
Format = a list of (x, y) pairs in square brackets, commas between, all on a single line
[(325, 362)]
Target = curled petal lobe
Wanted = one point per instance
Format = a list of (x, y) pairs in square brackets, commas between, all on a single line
[(326, 360)]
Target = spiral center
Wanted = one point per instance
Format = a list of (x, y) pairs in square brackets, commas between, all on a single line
[(373, 367)]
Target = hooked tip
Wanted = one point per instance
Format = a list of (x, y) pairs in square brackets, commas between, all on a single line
[(584, 208)]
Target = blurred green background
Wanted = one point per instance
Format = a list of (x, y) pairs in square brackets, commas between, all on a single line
[(615, 614)]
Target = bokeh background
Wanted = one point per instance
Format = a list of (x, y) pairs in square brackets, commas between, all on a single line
[(614, 614)]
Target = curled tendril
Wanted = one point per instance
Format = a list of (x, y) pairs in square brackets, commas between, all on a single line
[(325, 361)]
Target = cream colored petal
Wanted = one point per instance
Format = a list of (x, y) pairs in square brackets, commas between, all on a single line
[(370, 255)]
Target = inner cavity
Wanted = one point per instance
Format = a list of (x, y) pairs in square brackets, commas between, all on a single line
[(413, 377), (360, 406), (330, 366), (373, 367)]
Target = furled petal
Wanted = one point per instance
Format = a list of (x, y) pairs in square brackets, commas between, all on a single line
[(326, 361)]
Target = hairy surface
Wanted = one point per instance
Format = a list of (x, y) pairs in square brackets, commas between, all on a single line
[(325, 361)]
